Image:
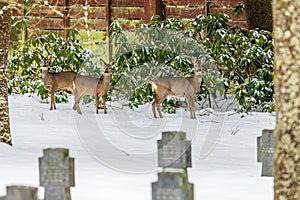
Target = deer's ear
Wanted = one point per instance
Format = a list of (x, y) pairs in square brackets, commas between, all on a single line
[(40, 56), (194, 61), (112, 63), (202, 60), (48, 57), (102, 62)]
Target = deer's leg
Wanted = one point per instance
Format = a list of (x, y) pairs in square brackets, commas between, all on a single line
[(158, 109), (52, 100), (97, 102), (76, 105), (75, 95), (191, 102), (104, 103), (156, 104), (153, 108), (158, 101), (161, 94), (53, 97)]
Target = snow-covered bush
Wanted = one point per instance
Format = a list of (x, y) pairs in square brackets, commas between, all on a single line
[(244, 59), (24, 71), (239, 61)]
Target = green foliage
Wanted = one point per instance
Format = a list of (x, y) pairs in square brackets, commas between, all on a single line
[(239, 60), (153, 51), (140, 95), (24, 72), (256, 94), (18, 24), (170, 105), (243, 57), (239, 8)]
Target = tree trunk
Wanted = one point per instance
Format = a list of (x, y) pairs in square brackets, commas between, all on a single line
[(259, 14), (5, 17), (287, 94)]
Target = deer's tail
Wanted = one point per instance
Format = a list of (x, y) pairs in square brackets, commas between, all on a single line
[(154, 87)]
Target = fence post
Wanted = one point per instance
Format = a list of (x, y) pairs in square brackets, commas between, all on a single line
[(108, 22), (153, 7), (24, 29), (66, 19), (207, 7)]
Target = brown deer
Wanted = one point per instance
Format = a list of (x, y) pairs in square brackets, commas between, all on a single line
[(179, 87), (56, 81), (97, 87)]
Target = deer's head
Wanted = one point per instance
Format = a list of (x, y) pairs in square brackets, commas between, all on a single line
[(107, 67), (198, 64), (44, 63)]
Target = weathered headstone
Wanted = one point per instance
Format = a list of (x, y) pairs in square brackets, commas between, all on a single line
[(258, 143), (172, 186), (265, 155), (18, 192), (267, 152), (56, 173), (174, 151)]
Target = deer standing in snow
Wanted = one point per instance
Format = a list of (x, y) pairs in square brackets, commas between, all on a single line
[(56, 81), (179, 87), (97, 87)]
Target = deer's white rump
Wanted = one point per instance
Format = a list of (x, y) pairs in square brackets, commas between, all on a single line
[(180, 87)]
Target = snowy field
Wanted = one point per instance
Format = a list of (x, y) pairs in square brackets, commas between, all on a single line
[(115, 154)]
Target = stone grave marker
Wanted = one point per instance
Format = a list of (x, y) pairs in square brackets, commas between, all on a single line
[(172, 186), (174, 155), (174, 151), (265, 151), (258, 143), (56, 173), (18, 192)]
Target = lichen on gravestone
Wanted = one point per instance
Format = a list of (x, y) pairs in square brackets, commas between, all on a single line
[(56, 173), (174, 151), (20, 192), (265, 151), (172, 186)]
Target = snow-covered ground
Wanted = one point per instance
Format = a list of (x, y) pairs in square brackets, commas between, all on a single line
[(115, 154)]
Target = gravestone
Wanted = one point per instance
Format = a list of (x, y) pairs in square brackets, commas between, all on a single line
[(174, 151), (18, 192), (265, 149), (258, 143), (172, 186), (56, 173), (174, 154)]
